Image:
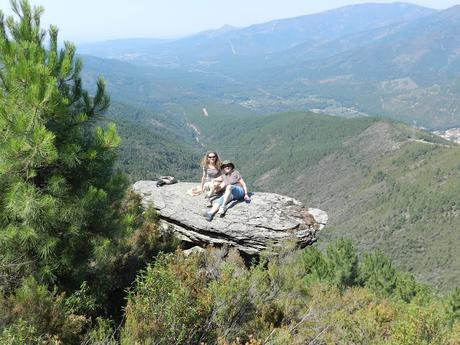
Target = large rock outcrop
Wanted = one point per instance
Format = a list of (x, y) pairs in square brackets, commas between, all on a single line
[(250, 227)]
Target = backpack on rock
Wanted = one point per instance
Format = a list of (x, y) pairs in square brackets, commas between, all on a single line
[(162, 180)]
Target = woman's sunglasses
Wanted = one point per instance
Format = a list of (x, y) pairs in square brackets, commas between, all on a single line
[(211, 157)]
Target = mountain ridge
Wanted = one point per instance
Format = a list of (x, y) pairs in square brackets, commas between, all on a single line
[(383, 184), (318, 25)]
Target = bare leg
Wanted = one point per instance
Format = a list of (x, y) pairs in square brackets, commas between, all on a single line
[(214, 209), (211, 190), (217, 206), (227, 195)]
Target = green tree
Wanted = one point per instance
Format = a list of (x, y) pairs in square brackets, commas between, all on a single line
[(453, 306), (57, 184), (343, 261), (339, 266), (377, 273)]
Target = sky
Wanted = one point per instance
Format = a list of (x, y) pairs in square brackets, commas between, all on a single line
[(97, 20)]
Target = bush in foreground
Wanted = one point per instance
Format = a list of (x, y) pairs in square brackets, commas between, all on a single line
[(297, 297)]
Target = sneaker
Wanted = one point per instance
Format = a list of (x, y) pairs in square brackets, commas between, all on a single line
[(208, 216), (209, 203)]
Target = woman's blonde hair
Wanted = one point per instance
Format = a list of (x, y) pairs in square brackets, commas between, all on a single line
[(205, 163)]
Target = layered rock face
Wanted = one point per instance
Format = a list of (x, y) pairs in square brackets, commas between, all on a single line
[(250, 227)]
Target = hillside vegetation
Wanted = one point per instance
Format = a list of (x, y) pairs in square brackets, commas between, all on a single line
[(298, 297), (383, 184), (81, 262), (151, 146)]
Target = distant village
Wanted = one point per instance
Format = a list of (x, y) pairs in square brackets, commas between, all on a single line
[(452, 134)]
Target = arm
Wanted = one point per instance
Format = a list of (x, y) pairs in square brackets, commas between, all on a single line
[(245, 188), (218, 183), (203, 177)]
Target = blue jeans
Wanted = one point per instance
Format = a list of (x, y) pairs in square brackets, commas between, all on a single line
[(237, 193)]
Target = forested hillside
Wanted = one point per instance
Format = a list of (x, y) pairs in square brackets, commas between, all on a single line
[(81, 262), (383, 184), (151, 146)]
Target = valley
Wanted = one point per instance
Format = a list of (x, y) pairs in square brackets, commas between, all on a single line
[(397, 61), (386, 185), (383, 184), (348, 120)]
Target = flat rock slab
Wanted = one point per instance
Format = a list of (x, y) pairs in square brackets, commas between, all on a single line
[(250, 227)]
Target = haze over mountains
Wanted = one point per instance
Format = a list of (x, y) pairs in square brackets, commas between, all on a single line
[(397, 60), (261, 39)]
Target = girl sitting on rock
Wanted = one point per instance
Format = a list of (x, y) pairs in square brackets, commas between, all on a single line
[(211, 170)]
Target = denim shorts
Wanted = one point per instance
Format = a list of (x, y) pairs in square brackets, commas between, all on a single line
[(237, 193)]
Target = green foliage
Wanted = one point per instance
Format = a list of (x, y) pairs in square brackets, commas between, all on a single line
[(75, 318), (343, 261), (339, 266), (19, 333), (70, 242), (169, 304), (377, 273), (34, 313), (213, 298), (116, 262), (102, 333), (233, 307), (316, 266), (81, 301), (422, 326), (56, 167), (453, 305)]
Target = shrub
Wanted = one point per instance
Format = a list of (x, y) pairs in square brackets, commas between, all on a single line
[(43, 311), (169, 304)]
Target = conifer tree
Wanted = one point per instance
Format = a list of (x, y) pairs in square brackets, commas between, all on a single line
[(56, 166), (377, 273), (453, 306)]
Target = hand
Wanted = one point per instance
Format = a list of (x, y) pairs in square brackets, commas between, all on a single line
[(246, 197)]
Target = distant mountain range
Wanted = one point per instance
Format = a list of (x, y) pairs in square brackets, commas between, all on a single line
[(259, 40), (397, 60)]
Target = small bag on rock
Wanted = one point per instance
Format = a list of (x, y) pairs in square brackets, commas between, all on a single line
[(162, 180)]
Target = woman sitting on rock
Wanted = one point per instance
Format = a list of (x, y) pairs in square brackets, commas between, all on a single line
[(235, 189), (211, 170)]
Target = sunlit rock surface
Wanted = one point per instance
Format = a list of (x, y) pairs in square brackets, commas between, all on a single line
[(250, 227)]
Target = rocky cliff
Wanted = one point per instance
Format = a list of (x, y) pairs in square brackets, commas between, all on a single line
[(250, 227)]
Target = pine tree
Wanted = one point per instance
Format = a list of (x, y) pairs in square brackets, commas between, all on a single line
[(343, 262), (56, 166), (377, 273), (339, 266), (453, 306)]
